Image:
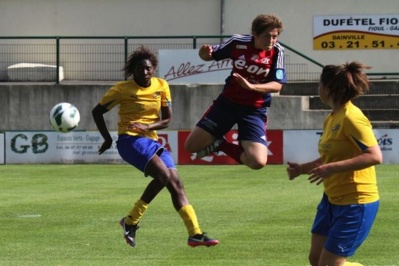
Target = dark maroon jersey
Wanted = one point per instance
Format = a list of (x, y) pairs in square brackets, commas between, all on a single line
[(257, 66)]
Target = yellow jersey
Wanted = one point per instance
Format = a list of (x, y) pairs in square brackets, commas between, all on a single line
[(138, 104), (346, 134)]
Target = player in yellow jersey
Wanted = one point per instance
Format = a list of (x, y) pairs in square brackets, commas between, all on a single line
[(348, 152), (144, 107)]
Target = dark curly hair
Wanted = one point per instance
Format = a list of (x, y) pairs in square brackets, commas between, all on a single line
[(142, 53), (265, 22)]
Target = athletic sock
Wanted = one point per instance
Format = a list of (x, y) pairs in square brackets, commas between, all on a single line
[(232, 150), (136, 212), (190, 220)]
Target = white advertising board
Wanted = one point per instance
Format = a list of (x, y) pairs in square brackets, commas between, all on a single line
[(356, 31), (185, 66), (21, 147), (388, 139), (2, 152), (301, 145), (74, 147)]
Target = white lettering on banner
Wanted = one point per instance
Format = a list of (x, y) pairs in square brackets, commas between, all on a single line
[(185, 66)]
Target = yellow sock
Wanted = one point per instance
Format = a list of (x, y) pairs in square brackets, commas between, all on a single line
[(136, 212), (189, 218), (352, 264)]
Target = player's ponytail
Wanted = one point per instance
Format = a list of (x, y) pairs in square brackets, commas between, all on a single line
[(345, 82)]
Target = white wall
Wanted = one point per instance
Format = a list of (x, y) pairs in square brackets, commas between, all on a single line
[(109, 18), (298, 33), (192, 17)]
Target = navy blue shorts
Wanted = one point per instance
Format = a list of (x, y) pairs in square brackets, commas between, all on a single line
[(345, 226), (138, 151), (222, 115)]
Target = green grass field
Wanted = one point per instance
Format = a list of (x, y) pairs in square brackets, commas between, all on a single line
[(68, 215)]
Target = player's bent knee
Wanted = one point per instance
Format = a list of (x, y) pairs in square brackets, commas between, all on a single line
[(257, 164)]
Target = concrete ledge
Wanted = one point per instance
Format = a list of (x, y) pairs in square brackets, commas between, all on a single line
[(34, 101), (311, 88), (34, 72)]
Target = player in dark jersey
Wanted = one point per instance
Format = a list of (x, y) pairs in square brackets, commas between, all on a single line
[(258, 71)]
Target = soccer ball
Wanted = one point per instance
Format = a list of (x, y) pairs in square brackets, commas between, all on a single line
[(64, 117)]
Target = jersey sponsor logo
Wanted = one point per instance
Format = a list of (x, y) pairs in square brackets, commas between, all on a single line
[(253, 69)]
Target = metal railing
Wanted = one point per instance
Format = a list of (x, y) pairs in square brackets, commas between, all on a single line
[(101, 58)]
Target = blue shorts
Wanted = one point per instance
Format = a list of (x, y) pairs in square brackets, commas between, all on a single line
[(138, 151), (222, 115), (345, 226)]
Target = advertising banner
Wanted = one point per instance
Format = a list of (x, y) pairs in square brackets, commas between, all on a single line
[(2, 151), (349, 32), (388, 139), (185, 67), (275, 149), (64, 148), (301, 145), (29, 147)]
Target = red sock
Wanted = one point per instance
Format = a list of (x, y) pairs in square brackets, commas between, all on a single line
[(232, 150)]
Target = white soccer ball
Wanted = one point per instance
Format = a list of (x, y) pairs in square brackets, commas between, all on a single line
[(64, 117)]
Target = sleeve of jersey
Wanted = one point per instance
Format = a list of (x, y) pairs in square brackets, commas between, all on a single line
[(166, 96), (223, 50), (360, 132), (110, 98), (278, 72)]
